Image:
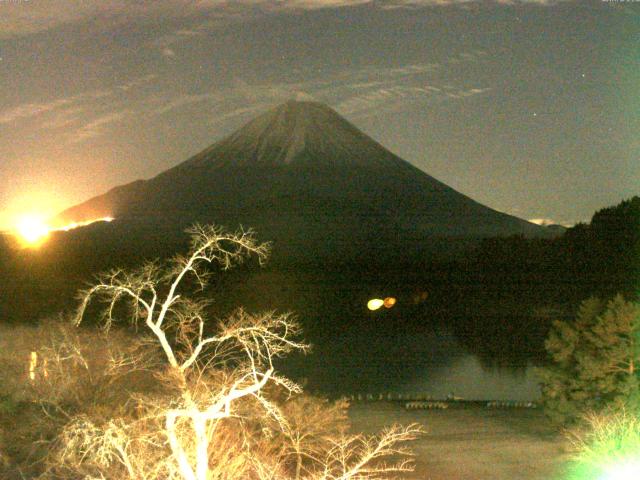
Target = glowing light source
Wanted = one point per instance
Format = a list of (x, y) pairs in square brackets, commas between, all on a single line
[(627, 470), (375, 303), (73, 225), (33, 362), (32, 230)]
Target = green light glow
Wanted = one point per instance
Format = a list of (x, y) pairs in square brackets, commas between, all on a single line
[(626, 470), (609, 448)]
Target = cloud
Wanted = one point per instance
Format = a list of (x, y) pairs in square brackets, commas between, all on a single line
[(29, 110), (375, 98), (64, 118), (96, 126), (30, 17), (374, 88), (355, 92), (385, 97), (237, 112), (25, 17), (137, 82), (315, 4), (186, 100), (391, 4), (72, 104), (377, 76), (168, 40)]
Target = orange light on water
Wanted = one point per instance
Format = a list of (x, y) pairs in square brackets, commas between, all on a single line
[(375, 303)]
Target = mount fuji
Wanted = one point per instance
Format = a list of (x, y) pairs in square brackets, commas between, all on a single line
[(310, 181)]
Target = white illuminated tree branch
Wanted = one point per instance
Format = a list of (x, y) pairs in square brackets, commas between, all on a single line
[(211, 368), (251, 342), (361, 457)]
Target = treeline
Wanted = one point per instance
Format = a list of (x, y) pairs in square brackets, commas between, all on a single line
[(517, 286), (499, 295), (599, 258)]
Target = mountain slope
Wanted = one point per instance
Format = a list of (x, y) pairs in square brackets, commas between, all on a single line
[(309, 180)]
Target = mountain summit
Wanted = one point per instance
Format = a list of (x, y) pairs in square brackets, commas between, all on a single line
[(305, 177), (297, 132)]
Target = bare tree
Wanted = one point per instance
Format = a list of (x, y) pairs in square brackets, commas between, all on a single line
[(209, 379), (362, 457)]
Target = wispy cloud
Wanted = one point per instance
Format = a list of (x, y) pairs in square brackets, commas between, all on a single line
[(186, 100), (96, 127), (63, 109), (29, 110), (391, 4), (356, 92), (64, 118), (24, 17), (137, 82), (169, 39), (221, 118), (315, 4), (368, 89), (380, 98)]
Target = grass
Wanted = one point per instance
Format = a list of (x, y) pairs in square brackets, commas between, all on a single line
[(474, 443)]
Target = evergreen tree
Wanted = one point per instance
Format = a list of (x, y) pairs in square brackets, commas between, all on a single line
[(594, 360)]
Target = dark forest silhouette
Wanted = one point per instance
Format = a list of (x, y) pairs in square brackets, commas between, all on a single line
[(499, 296)]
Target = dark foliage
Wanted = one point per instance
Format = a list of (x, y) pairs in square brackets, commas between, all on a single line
[(593, 361), (499, 295)]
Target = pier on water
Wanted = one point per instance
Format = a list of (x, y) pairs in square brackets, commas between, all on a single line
[(422, 401)]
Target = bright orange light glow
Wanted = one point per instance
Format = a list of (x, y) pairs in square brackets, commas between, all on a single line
[(375, 303), (32, 230), (73, 225), (389, 302)]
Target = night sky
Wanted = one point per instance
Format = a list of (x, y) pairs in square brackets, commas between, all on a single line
[(530, 107)]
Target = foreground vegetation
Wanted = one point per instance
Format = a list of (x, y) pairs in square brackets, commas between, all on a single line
[(592, 387), (180, 399), (499, 296), (606, 446), (594, 361), (122, 403)]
